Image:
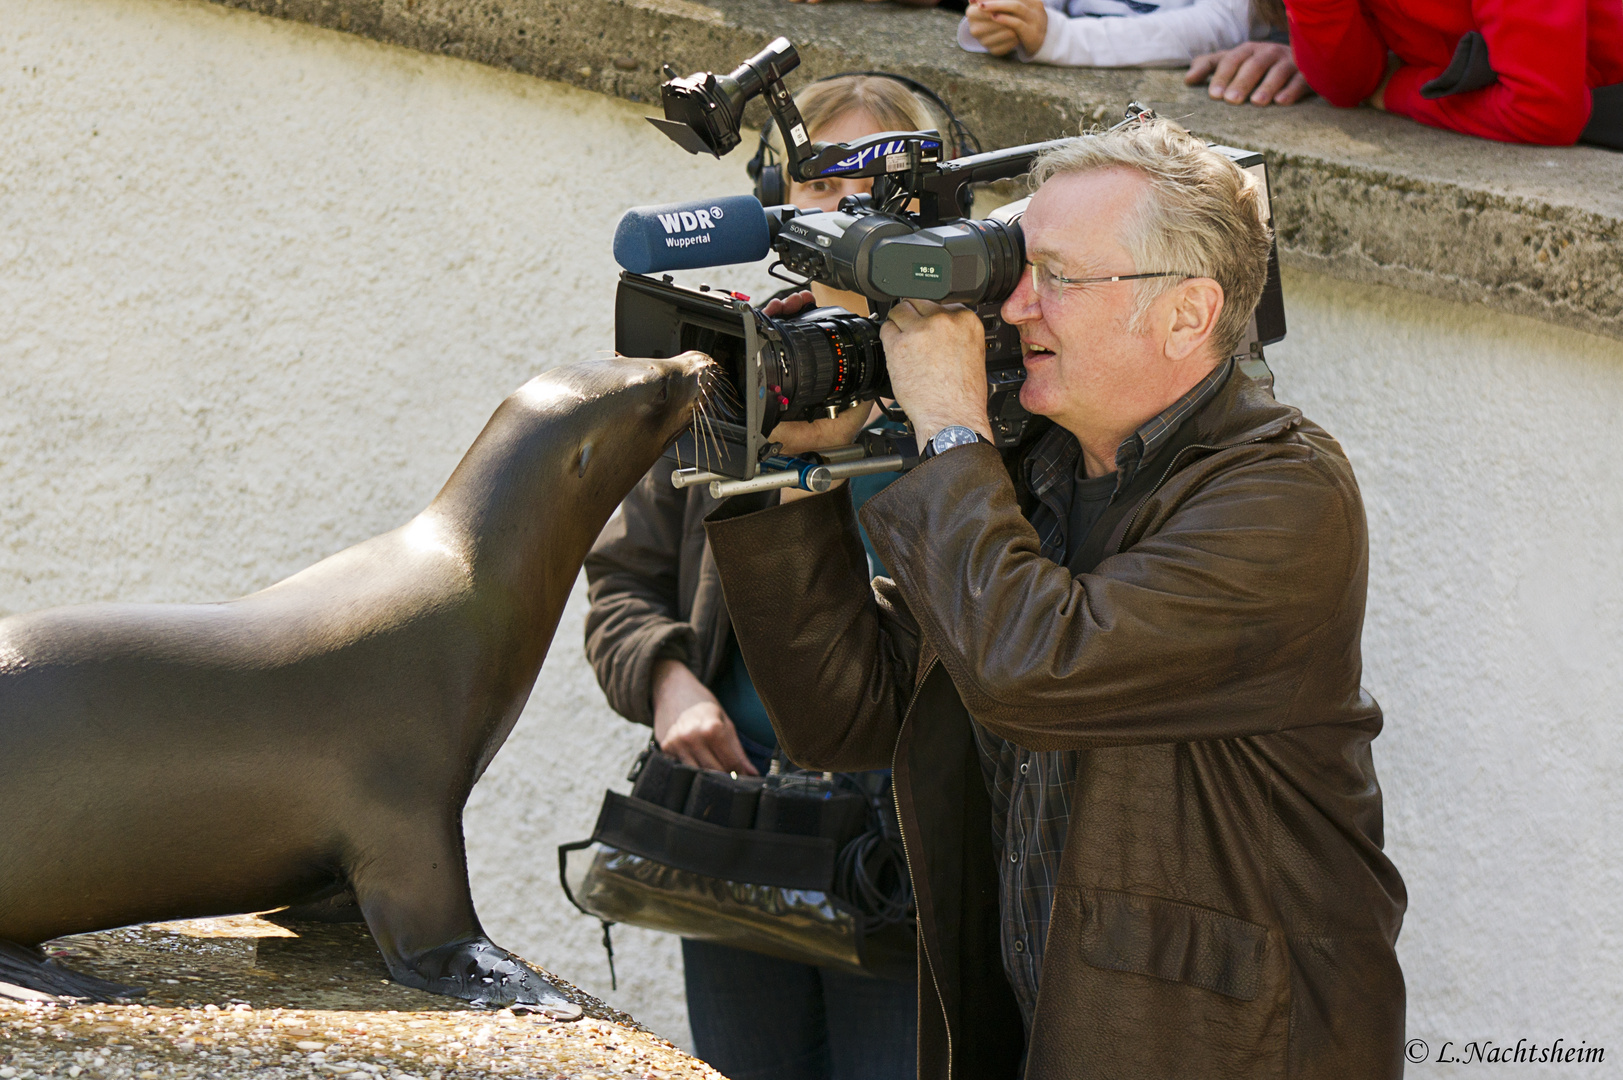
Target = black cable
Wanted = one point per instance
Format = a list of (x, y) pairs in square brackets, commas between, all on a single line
[(860, 878), (870, 872)]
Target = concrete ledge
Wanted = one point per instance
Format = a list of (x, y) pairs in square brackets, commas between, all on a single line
[(1359, 195)]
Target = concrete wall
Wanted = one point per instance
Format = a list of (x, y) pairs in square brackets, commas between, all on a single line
[(1485, 447), (260, 286)]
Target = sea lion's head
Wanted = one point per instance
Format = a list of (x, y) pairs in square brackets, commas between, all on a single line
[(556, 459), (617, 414), (569, 444)]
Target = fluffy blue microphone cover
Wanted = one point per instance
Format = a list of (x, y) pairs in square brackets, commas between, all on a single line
[(684, 236)]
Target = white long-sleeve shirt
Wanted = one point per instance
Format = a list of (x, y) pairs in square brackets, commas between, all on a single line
[(1132, 33)]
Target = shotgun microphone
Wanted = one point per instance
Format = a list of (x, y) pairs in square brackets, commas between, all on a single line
[(689, 235)]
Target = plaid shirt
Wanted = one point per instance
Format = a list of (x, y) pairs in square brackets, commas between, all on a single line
[(1031, 790)]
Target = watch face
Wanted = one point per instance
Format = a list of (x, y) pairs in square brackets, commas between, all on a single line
[(953, 436)]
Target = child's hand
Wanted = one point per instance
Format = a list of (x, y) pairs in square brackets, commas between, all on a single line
[(1000, 25), (997, 39)]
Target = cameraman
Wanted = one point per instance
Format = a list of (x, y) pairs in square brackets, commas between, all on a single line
[(1117, 674), (660, 640)]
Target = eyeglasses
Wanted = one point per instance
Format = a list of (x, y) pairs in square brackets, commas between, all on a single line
[(1051, 286)]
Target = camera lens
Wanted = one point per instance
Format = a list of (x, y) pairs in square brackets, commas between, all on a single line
[(827, 357), (1005, 257)]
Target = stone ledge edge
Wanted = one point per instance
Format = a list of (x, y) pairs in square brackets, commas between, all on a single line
[(1538, 259)]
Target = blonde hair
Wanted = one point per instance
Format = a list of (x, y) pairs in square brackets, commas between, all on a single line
[(1201, 215), (888, 102)]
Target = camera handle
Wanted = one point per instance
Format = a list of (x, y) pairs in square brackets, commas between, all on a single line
[(913, 153)]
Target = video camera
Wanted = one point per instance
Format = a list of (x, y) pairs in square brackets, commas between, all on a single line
[(911, 238)]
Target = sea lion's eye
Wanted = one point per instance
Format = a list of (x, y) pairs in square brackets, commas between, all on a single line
[(585, 455)]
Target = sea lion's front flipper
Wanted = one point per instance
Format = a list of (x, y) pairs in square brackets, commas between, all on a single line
[(418, 907), (487, 974), (29, 975)]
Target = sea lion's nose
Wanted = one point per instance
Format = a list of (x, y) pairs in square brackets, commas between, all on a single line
[(693, 361)]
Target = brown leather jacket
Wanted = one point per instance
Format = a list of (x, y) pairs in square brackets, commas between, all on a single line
[(1224, 907)]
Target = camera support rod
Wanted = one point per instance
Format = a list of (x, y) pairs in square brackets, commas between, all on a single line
[(943, 192), (806, 475), (686, 478)]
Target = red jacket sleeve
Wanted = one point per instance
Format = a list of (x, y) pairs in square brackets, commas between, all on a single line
[(1538, 51), (1605, 32), (1337, 49)]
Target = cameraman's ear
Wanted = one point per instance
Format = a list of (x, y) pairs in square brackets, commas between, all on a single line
[(1196, 304)]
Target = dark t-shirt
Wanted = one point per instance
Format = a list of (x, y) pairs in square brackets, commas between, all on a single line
[(1089, 497)]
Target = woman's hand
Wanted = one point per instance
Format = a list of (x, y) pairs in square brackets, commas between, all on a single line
[(793, 304), (1262, 72), (800, 436), (690, 724)]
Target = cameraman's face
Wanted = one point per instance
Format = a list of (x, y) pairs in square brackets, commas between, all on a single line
[(1087, 367), (826, 194)]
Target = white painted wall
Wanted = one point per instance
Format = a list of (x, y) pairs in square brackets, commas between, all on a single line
[(1487, 450), (260, 286)]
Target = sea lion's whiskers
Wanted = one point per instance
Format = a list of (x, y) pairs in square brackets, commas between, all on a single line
[(718, 400), (712, 451), (701, 447), (727, 395), (715, 439), (695, 427), (711, 382)]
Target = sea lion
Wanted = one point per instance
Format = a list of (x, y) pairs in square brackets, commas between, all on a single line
[(168, 761)]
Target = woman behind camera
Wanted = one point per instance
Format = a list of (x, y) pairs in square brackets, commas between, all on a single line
[(659, 637)]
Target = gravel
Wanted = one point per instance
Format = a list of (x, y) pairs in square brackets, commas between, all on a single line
[(247, 997)]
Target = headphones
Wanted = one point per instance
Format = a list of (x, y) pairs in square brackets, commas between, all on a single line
[(772, 186)]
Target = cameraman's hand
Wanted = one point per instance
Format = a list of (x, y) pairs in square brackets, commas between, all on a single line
[(937, 361), (690, 724)]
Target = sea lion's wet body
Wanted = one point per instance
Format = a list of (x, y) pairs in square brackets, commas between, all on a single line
[(163, 761)]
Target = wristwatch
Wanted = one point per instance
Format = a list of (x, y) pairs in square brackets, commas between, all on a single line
[(949, 437)]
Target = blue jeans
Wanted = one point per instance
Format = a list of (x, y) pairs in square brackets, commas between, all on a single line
[(756, 1017)]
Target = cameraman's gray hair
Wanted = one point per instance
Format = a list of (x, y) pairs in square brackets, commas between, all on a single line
[(1201, 215)]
